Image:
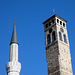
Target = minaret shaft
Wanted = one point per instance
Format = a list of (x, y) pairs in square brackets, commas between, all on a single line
[(13, 52)]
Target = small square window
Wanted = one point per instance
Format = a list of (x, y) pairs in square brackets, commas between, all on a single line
[(64, 24), (46, 25), (53, 21), (57, 21), (50, 30), (49, 23), (60, 22)]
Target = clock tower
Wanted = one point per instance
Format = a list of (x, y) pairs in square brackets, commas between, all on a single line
[(57, 46)]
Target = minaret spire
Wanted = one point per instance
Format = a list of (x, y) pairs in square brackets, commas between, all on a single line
[(14, 35)]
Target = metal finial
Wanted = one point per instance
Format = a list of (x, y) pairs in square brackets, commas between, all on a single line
[(14, 21), (53, 12)]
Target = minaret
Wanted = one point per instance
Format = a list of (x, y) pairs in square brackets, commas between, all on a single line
[(57, 46), (13, 67)]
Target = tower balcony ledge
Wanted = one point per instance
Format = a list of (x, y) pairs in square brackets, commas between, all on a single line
[(13, 66)]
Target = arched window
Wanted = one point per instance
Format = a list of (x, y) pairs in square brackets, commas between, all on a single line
[(60, 22), (65, 40), (57, 21), (53, 36), (46, 25), (60, 36), (48, 39)]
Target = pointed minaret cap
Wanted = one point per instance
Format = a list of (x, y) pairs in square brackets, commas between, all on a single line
[(14, 35)]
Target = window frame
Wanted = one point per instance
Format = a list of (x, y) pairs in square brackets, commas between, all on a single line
[(53, 36), (63, 24), (48, 39), (49, 23), (60, 36), (60, 22), (57, 20), (46, 26), (65, 39)]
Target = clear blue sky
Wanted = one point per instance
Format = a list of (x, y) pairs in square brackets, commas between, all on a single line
[(29, 15)]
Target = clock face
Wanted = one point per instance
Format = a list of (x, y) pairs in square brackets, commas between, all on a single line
[(61, 29)]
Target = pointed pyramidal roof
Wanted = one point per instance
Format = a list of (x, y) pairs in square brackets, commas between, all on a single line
[(14, 35)]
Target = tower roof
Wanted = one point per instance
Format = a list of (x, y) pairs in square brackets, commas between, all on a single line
[(54, 15), (14, 36)]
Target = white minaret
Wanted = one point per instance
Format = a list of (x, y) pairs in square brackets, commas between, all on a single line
[(13, 67)]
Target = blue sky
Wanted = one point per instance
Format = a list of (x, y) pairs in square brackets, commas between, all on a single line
[(29, 15)]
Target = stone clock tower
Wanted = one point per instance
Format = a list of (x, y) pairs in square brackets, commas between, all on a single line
[(57, 46)]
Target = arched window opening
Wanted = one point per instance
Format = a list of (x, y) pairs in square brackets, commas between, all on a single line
[(48, 39), (49, 23), (50, 30), (57, 21), (46, 25), (53, 36), (65, 40), (64, 24), (53, 21), (60, 22), (60, 36)]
